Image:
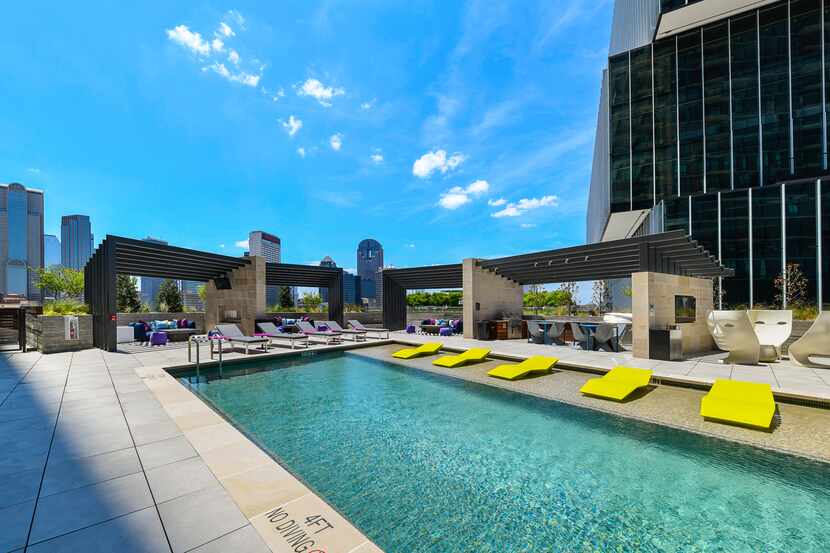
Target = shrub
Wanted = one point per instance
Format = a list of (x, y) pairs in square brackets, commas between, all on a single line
[(65, 307)]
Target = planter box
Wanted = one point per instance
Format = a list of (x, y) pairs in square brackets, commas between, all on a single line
[(47, 334)]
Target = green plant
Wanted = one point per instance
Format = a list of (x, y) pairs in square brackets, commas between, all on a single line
[(169, 298), (65, 307), (61, 281), (311, 301), (202, 291), (805, 312), (126, 294), (792, 286), (434, 299), (286, 298)]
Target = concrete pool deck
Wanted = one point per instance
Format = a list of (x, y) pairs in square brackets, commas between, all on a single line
[(104, 451)]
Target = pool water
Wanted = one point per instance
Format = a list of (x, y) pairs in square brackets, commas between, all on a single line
[(425, 463)]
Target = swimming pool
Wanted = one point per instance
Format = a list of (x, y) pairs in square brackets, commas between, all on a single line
[(425, 463)]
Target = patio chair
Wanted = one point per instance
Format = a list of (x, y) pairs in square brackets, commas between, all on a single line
[(556, 333), (537, 363), (535, 332), (270, 331), (606, 337), (773, 327), (744, 403), (322, 336), (734, 332), (233, 335), (472, 355), (357, 335), (618, 383), (816, 341), (357, 325), (581, 336), (425, 349)]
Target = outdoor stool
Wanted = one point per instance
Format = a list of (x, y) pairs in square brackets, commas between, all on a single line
[(445, 331), (158, 338), (410, 329)]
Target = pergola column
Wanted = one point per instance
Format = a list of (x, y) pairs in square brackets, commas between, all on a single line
[(487, 296)]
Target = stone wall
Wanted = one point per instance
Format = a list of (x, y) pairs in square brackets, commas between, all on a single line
[(488, 296), (653, 307), (246, 297), (127, 318), (47, 334)]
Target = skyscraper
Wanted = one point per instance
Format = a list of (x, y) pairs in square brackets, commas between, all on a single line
[(190, 295), (351, 289), (150, 285), (268, 246), (76, 241), (21, 239), (51, 250), (713, 120), (324, 292), (369, 260)]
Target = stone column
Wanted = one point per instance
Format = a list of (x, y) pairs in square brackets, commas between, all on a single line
[(652, 306), (488, 296), (246, 296)]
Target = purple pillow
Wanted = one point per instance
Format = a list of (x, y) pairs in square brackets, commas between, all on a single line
[(322, 328)]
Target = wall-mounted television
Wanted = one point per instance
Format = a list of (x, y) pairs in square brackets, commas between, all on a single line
[(684, 309)]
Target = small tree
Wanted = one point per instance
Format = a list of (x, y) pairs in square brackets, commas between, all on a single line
[(202, 291), (794, 288), (601, 296), (286, 298), (126, 293), (572, 289), (61, 281), (311, 301), (170, 297)]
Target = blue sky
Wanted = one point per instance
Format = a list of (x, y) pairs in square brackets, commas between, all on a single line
[(442, 129)]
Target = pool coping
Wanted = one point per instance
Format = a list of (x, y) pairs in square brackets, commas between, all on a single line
[(284, 510)]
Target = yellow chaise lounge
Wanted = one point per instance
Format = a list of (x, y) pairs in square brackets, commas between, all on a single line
[(426, 349), (617, 383), (472, 354), (537, 363), (746, 403)]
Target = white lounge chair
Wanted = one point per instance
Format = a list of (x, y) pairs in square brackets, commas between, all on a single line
[(233, 335), (773, 327), (326, 336), (357, 325), (357, 335), (816, 341), (270, 331), (733, 332)]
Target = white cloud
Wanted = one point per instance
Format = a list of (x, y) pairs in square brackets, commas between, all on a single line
[(243, 244), (237, 18), (526, 204), (457, 196), (528, 225), (248, 79), (33, 170), (225, 30), (496, 203), (336, 142), (317, 90), (410, 245), (233, 56), (217, 45), (280, 93), (292, 126), (182, 35), (301, 152), (377, 157), (222, 246), (368, 105), (436, 160)]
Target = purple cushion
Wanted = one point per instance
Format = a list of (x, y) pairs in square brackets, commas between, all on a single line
[(410, 329), (322, 328)]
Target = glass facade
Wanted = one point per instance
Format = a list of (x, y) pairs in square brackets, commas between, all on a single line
[(690, 111), (807, 116), (718, 126), (735, 246), (775, 93), (665, 118), (767, 245), (619, 100), (825, 244), (745, 122), (705, 222), (676, 214), (800, 210), (642, 125)]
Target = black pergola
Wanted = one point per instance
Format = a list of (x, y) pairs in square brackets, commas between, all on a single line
[(117, 254), (286, 274), (397, 281), (669, 252)]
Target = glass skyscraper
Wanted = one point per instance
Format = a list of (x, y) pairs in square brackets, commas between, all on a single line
[(268, 246), (369, 260), (21, 239), (714, 118), (76, 241)]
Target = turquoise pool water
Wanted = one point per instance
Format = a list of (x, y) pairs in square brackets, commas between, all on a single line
[(423, 463)]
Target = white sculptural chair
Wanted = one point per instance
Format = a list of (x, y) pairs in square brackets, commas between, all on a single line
[(773, 328), (815, 341), (733, 332)]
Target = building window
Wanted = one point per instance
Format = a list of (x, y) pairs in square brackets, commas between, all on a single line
[(825, 243), (716, 106), (705, 222), (766, 243), (642, 125), (775, 93), (807, 116), (827, 82), (676, 214), (690, 111), (744, 47), (665, 118), (620, 105), (800, 211), (735, 246)]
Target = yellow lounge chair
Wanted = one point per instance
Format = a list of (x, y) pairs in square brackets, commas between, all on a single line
[(746, 403), (472, 354), (617, 383), (537, 363), (426, 349)]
